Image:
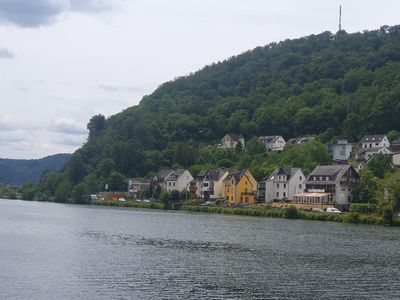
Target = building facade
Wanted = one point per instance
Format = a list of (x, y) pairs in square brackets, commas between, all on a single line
[(284, 183)]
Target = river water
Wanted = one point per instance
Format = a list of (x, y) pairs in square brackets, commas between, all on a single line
[(57, 251)]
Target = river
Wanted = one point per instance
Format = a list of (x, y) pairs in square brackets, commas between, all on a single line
[(59, 251)]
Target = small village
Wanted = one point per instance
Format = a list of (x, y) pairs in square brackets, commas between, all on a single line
[(326, 187)]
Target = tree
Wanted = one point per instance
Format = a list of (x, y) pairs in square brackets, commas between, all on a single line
[(255, 146), (117, 182), (379, 164), (28, 191), (96, 125), (366, 190), (80, 194)]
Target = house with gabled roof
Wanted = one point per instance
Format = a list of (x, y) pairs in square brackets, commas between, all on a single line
[(231, 140), (159, 178), (329, 185), (284, 183), (178, 180), (273, 142), (240, 187), (373, 144)]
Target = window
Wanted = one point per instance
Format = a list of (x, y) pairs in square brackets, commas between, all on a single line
[(277, 194), (300, 178), (299, 186), (277, 185), (173, 183), (284, 194), (284, 185)]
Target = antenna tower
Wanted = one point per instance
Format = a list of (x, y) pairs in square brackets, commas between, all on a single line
[(340, 17)]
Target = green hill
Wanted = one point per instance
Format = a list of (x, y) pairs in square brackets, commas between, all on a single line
[(17, 172), (329, 85)]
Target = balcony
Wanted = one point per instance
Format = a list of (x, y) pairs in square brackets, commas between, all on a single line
[(247, 193)]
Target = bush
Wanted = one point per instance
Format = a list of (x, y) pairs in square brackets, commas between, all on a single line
[(388, 214), (291, 212), (364, 207)]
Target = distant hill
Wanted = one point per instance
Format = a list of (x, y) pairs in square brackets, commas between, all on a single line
[(19, 171)]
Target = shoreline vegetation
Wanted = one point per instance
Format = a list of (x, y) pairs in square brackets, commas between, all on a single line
[(355, 217)]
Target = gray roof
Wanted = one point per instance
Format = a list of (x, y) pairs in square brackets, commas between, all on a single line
[(176, 173), (216, 174), (236, 174), (372, 138), (334, 172), (269, 138), (289, 172), (163, 173)]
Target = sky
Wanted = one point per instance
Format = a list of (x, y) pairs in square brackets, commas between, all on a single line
[(64, 61)]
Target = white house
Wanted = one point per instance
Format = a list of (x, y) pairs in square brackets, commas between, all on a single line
[(373, 144), (230, 140), (273, 142), (284, 183), (178, 180), (340, 151), (375, 141)]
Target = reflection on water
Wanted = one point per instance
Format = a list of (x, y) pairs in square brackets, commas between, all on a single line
[(53, 251)]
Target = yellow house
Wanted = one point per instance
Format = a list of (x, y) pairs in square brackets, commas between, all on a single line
[(240, 187)]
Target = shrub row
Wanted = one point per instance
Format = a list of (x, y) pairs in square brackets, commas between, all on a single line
[(153, 205), (365, 207)]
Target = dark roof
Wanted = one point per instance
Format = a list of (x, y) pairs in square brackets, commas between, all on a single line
[(202, 173), (289, 172), (176, 173), (269, 138), (235, 137), (216, 174), (236, 174), (163, 173), (372, 138), (334, 172)]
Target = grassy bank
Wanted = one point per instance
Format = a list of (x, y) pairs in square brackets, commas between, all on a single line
[(353, 217), (152, 205), (291, 213)]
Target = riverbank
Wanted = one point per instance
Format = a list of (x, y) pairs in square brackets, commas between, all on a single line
[(150, 205), (289, 213)]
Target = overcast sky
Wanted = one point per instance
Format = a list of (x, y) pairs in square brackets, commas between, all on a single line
[(63, 61)]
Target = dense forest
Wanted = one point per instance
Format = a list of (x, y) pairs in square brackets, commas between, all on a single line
[(327, 85)]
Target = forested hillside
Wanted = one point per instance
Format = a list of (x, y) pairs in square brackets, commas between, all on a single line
[(328, 85), (16, 172)]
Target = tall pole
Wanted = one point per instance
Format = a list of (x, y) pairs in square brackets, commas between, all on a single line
[(340, 17)]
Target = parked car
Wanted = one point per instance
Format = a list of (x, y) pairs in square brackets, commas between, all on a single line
[(317, 209), (146, 200), (122, 199), (333, 210), (138, 200)]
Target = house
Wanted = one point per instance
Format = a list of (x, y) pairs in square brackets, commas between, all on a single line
[(230, 141), (329, 185), (340, 151), (375, 141), (284, 183), (373, 144), (366, 153), (273, 142), (159, 178), (300, 140), (240, 187), (137, 185), (211, 183), (178, 180)]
